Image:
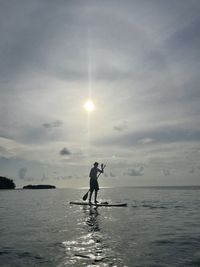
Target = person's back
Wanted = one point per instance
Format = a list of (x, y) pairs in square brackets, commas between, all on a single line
[(93, 172)]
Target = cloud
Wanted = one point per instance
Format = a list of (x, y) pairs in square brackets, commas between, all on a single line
[(121, 126), (66, 177), (166, 172), (192, 170), (145, 141), (65, 152), (23, 133), (186, 40), (44, 177), (105, 174), (4, 152), (22, 173), (23, 36), (160, 134), (2, 149), (112, 174), (53, 124), (136, 171), (37, 135), (144, 78)]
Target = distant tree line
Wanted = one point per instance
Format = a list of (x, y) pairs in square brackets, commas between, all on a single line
[(6, 183), (39, 186)]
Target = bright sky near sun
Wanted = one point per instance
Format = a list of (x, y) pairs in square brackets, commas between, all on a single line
[(109, 81), (89, 105)]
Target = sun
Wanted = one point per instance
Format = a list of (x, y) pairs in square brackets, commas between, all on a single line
[(89, 106)]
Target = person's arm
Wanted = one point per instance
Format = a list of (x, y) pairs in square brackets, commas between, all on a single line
[(101, 171)]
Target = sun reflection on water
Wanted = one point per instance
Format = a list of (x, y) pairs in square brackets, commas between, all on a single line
[(90, 248)]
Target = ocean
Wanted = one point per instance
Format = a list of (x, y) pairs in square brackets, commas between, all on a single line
[(160, 227)]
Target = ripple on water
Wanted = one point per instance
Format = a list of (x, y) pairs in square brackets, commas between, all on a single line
[(90, 246), (89, 250), (85, 248)]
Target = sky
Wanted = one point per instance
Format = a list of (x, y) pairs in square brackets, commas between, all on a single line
[(139, 63)]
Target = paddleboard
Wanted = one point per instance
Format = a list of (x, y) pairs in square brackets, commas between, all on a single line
[(102, 204)]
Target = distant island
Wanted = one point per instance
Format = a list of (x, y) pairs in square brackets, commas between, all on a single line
[(39, 186), (6, 183)]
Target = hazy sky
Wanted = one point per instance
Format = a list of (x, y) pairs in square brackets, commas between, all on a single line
[(137, 60)]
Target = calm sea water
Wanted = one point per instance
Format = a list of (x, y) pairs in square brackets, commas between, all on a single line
[(160, 227)]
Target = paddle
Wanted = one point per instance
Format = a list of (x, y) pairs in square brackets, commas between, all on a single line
[(86, 195)]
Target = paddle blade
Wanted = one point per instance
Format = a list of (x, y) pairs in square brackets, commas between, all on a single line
[(85, 196)]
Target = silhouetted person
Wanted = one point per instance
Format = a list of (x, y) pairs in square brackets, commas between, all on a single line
[(94, 185)]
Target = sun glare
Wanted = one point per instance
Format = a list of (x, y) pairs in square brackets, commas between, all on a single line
[(89, 106)]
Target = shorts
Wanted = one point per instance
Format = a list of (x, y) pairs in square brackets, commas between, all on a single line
[(94, 185)]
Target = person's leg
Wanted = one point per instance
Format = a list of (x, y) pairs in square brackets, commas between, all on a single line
[(95, 197), (90, 196)]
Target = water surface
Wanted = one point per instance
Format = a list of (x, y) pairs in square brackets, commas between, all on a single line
[(160, 227)]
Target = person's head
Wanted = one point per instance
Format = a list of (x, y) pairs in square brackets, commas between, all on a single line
[(96, 164)]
